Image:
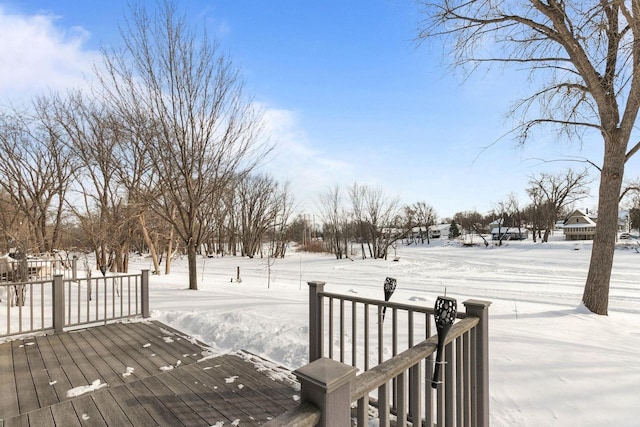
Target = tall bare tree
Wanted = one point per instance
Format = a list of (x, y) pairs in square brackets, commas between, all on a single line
[(379, 218), (35, 173), (258, 209), (205, 128), (94, 135), (585, 57), (334, 220), (424, 215)]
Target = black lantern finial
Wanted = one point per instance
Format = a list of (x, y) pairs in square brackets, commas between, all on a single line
[(444, 315)]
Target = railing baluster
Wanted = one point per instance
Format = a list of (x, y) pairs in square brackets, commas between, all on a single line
[(466, 373), (450, 388), (366, 337), (383, 405), (401, 404), (380, 335), (440, 407), (459, 376), (415, 394), (42, 306), (18, 288), (354, 333), (31, 306), (342, 322), (8, 310), (330, 328), (363, 411), (79, 292), (394, 352), (428, 374)]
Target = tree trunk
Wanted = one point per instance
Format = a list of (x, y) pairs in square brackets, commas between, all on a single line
[(150, 244), (193, 267), (596, 290)]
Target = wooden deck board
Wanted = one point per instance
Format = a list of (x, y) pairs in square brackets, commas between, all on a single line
[(229, 405), (41, 417), (35, 378), (153, 405), (105, 372), (40, 376), (111, 411), (9, 401), (169, 352), (57, 376), (279, 391), (136, 413), (87, 411), (73, 374), (64, 414), (196, 402), (18, 421), (173, 403), (86, 367), (184, 345), (139, 361), (27, 396)]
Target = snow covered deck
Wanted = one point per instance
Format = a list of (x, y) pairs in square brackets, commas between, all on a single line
[(143, 373)]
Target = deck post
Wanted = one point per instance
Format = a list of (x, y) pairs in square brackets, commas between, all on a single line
[(144, 293), (326, 383), (58, 304), (316, 317), (480, 309)]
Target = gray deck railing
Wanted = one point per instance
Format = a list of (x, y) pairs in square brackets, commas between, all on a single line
[(397, 382), (35, 306)]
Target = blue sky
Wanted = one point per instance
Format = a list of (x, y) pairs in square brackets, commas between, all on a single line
[(348, 93)]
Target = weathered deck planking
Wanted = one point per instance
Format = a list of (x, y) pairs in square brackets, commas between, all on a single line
[(9, 401), (36, 373)]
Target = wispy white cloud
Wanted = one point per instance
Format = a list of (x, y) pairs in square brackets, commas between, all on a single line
[(37, 56), (309, 170)]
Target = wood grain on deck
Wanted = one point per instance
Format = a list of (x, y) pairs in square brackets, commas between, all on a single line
[(168, 381)]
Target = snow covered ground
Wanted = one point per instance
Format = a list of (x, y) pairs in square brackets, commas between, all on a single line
[(551, 362)]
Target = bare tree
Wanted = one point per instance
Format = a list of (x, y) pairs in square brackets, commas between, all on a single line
[(205, 130), (35, 173), (334, 219), (379, 219), (585, 55), (94, 135), (424, 215), (258, 206), (551, 193)]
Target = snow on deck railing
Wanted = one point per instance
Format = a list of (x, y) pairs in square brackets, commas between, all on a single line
[(400, 384), (35, 306)]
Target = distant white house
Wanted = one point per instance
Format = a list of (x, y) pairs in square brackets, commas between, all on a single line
[(579, 226), (582, 226)]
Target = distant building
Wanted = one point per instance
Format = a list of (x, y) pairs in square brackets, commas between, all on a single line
[(579, 226), (582, 226)]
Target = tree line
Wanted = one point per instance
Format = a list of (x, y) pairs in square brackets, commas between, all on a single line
[(361, 220), (160, 154)]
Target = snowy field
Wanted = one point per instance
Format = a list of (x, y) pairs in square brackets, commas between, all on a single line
[(551, 362)]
